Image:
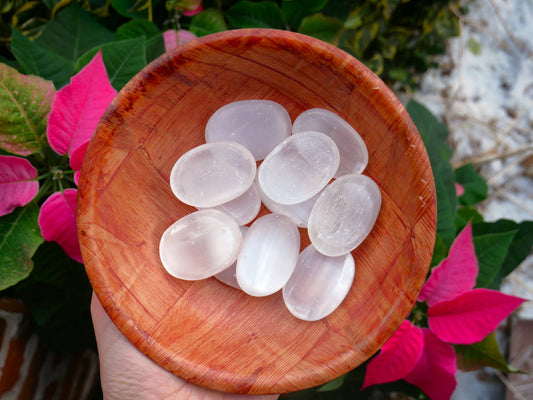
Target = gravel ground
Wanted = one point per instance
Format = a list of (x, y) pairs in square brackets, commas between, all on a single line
[(483, 91)]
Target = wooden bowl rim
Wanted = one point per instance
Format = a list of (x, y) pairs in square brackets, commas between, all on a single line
[(338, 58)]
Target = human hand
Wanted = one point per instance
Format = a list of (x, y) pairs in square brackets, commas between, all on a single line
[(127, 374)]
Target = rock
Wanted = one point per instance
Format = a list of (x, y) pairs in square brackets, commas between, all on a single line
[(245, 207), (352, 148), (259, 125), (200, 245), (268, 255), (229, 275), (318, 284), (344, 214), (299, 167), (298, 213), (213, 174)]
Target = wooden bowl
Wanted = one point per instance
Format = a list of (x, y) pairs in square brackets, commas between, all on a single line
[(204, 331)]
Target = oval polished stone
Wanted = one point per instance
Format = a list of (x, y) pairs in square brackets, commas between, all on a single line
[(259, 125), (268, 255), (344, 214), (318, 284), (245, 207), (299, 167), (212, 174), (229, 275), (298, 213), (200, 245), (352, 148)]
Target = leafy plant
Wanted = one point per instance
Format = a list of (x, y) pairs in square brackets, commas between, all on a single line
[(63, 62)]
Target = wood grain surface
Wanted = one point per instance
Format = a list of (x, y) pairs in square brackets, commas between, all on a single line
[(207, 332)]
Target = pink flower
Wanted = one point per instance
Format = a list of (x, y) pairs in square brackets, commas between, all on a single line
[(76, 110), (457, 314)]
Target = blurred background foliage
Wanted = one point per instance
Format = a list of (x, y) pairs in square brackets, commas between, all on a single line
[(397, 39)]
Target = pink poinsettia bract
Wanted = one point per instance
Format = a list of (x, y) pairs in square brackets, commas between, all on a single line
[(18, 183), (457, 314)]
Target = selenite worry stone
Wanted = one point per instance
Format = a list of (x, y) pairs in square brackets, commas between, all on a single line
[(299, 167), (200, 245), (268, 255), (318, 284), (229, 275), (298, 213), (213, 174), (344, 214), (352, 148), (245, 207), (259, 125)]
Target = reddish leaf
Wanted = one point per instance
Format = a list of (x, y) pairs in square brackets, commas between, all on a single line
[(471, 316), (435, 371), (18, 183), (455, 274), (79, 106), (397, 357), (57, 220), (25, 102), (175, 39)]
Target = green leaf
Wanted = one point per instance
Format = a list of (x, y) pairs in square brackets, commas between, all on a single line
[(263, 14), (519, 248), (475, 187), (155, 46), (295, 10), (208, 21), (482, 354), (25, 101), (36, 60), (123, 60), (11, 63), (464, 215), (57, 288), (434, 135), (324, 28), (491, 251), (20, 237), (137, 28), (132, 8), (333, 385), (72, 33), (440, 251), (58, 294), (474, 46)]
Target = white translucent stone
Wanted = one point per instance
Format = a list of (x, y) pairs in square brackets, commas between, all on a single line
[(229, 275), (344, 214), (299, 167), (200, 245), (318, 284), (259, 125), (245, 207), (352, 148), (212, 174), (298, 213), (268, 255)]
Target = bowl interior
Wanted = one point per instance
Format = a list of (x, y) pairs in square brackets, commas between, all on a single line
[(205, 331)]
